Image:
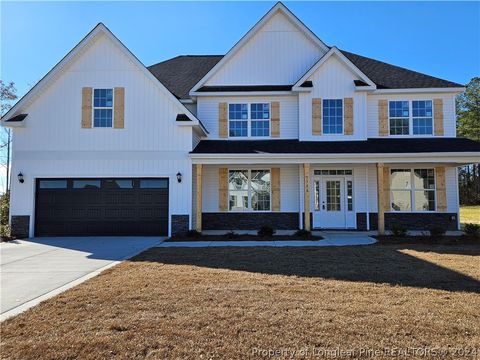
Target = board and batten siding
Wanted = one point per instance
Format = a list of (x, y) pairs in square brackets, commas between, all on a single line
[(208, 112), (333, 80), (279, 54), (53, 144), (449, 116), (289, 191)]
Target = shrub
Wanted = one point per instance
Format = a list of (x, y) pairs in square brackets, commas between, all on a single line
[(437, 231), (303, 233), (5, 232), (399, 230), (231, 235), (472, 230), (193, 234), (265, 231)]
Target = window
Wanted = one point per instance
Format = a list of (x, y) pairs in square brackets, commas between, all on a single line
[(249, 190), (260, 114), (119, 184), (102, 107), (245, 120), (399, 117), (53, 184), (349, 195), (154, 184), (333, 116), (333, 172), (422, 117), (86, 184), (412, 189), (410, 117)]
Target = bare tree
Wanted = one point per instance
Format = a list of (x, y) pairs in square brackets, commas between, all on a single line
[(7, 97)]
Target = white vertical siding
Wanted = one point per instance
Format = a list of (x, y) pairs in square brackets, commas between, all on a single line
[(279, 54), (207, 108), (333, 80), (449, 116)]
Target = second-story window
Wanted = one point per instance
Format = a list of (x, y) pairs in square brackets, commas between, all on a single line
[(247, 120), (102, 107), (333, 116), (410, 117)]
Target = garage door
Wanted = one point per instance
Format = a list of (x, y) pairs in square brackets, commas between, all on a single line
[(83, 207)]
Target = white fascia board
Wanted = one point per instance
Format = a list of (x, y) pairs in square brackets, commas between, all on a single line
[(448, 158), (244, 93), (278, 7), (333, 51), (420, 90), (53, 73)]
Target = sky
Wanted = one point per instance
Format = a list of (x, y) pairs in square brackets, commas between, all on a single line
[(438, 38)]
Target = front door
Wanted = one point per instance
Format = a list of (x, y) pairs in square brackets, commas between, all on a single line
[(330, 202)]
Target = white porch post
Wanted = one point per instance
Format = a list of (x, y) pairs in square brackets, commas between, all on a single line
[(198, 194)]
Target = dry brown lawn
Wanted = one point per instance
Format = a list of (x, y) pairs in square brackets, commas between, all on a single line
[(223, 303)]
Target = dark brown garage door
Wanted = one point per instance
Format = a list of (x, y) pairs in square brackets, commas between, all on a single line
[(83, 207)]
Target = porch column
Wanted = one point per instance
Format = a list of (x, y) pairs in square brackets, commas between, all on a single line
[(380, 199), (306, 196), (198, 194)]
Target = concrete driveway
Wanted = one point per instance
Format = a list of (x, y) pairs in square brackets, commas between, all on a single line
[(35, 268)]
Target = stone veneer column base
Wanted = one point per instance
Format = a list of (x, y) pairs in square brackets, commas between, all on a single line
[(20, 225), (180, 224)]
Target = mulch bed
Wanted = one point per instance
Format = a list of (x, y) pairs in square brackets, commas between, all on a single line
[(444, 240), (243, 237)]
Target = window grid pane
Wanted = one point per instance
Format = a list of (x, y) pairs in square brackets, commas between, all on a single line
[(238, 120), (349, 195), (422, 117), (238, 190), (333, 195), (399, 115), (260, 187), (332, 116)]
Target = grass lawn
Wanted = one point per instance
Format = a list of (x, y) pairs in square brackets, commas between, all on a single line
[(223, 303), (470, 214)]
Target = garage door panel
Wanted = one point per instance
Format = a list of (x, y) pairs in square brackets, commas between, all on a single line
[(117, 207)]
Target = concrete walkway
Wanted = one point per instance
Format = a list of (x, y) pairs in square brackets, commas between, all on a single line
[(330, 239), (36, 269)]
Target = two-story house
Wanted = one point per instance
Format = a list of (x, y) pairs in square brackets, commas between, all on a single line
[(283, 131)]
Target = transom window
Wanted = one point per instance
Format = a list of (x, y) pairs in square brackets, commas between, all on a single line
[(249, 120), (333, 116), (249, 190), (411, 117), (412, 189), (102, 107)]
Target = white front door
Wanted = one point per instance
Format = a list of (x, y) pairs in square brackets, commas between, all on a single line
[(329, 203)]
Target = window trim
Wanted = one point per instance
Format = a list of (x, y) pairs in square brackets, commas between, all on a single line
[(249, 120), (413, 189), (343, 118), (410, 118), (103, 107), (249, 190)]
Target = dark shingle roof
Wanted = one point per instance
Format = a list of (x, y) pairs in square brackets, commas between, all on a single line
[(181, 73), (245, 88), (387, 76), (370, 146)]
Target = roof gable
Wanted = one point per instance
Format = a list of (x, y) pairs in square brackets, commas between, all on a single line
[(281, 45), (74, 56)]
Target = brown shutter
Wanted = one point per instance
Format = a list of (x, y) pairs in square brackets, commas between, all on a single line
[(386, 188), (275, 178), (441, 189), (438, 117), (382, 117), (222, 120), (275, 119), (119, 108), (348, 116), (86, 107), (222, 189), (316, 116)]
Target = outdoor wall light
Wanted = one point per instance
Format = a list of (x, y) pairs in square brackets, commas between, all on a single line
[(179, 177), (21, 180)]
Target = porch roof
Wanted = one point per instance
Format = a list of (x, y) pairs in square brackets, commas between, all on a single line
[(369, 146)]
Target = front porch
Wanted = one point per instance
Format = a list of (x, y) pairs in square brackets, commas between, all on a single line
[(318, 195)]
